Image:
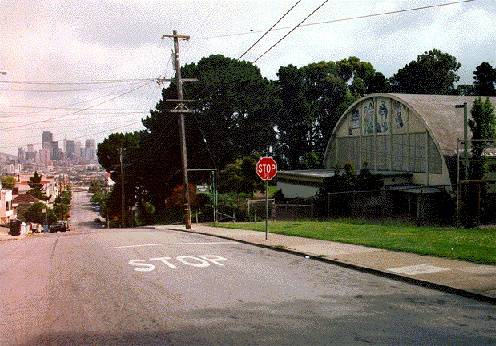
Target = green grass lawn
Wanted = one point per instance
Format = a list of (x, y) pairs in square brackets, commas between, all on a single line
[(475, 245)]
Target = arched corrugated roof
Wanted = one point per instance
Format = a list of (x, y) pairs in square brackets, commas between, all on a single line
[(444, 121), (438, 112)]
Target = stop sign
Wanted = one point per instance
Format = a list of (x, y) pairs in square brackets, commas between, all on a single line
[(266, 168)]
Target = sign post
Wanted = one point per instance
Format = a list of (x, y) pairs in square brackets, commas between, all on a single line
[(266, 170)]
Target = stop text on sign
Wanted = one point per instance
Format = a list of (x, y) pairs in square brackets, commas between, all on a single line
[(193, 261), (266, 168)]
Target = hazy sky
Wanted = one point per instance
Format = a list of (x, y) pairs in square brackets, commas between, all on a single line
[(88, 40)]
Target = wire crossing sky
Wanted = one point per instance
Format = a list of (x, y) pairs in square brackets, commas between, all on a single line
[(75, 54)]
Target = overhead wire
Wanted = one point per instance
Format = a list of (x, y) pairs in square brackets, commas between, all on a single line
[(290, 31), (251, 32), (78, 111), (272, 27), (89, 82), (72, 104)]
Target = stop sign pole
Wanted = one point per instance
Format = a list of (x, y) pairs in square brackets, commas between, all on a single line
[(266, 170)]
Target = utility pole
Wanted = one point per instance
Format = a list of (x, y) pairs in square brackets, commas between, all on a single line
[(123, 197), (181, 109), (465, 137)]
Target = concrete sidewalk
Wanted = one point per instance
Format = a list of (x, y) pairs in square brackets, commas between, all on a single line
[(460, 277)]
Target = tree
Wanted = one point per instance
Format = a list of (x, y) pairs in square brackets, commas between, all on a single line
[(240, 176), (8, 182), (234, 113), (483, 127), (109, 157), (36, 186), (313, 98), (485, 80), (34, 213), (378, 84), (295, 115), (434, 72)]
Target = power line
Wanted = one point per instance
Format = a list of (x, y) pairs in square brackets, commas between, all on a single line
[(79, 102), (290, 31), (100, 81), (340, 19), (92, 89), (272, 27), (76, 112)]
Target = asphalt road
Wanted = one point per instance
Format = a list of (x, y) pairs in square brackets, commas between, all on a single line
[(143, 286)]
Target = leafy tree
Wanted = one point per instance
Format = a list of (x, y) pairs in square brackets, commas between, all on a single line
[(34, 213), (483, 126), (240, 177), (36, 186), (378, 84), (312, 160), (313, 98), (434, 72), (8, 181), (465, 90), (233, 116), (295, 116), (485, 80), (95, 186), (109, 157)]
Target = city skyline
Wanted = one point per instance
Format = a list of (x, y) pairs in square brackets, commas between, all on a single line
[(50, 150)]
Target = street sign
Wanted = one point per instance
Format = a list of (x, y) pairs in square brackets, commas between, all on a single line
[(266, 168)]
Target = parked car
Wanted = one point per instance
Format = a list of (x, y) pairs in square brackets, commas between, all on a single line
[(60, 226)]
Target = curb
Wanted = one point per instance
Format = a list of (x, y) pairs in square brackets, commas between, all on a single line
[(377, 272)]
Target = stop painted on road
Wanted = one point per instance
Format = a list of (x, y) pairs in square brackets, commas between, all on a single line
[(203, 261)]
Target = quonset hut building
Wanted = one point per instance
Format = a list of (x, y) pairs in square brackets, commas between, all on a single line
[(410, 139)]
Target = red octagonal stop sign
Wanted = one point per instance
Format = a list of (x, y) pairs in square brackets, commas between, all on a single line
[(266, 168)]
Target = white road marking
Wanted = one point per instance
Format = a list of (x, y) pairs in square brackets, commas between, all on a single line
[(417, 269), (147, 266), (138, 245), (187, 260), (164, 261), (193, 261)]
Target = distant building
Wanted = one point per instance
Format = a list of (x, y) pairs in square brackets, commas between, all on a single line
[(21, 155), (90, 150), (46, 140), (44, 156), (54, 155), (70, 149), (30, 154), (77, 149)]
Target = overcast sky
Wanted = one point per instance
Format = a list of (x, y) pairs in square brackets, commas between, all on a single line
[(89, 40)]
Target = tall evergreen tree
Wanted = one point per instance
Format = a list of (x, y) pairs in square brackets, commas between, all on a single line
[(483, 126), (485, 80)]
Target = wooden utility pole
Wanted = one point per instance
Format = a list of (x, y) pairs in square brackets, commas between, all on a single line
[(181, 109)]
